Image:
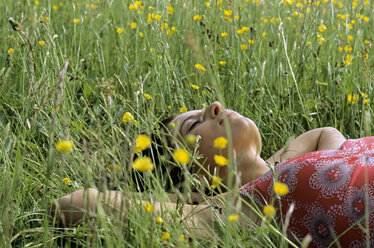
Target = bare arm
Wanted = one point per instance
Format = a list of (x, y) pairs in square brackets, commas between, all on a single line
[(325, 138)]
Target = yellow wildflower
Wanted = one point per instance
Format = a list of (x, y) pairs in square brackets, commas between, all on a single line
[(264, 34), (233, 217), (64, 146), (142, 142), (183, 238), (165, 236), (353, 98), (194, 86), (215, 182), (243, 47), (76, 21), (280, 188), (10, 50), (220, 143), (132, 7), (207, 4), (227, 12), (322, 28), (320, 39), (220, 160), (55, 7), (366, 101), (191, 139), (224, 34), (183, 109), (170, 10), (148, 207), (309, 43), (251, 42), (366, 19), (133, 25), (119, 30), (350, 38), (364, 95), (200, 67), (141, 34), (127, 117), (269, 210), (36, 2), (159, 220), (182, 156), (143, 164), (197, 17), (349, 58), (240, 31), (148, 96), (223, 63), (66, 181)]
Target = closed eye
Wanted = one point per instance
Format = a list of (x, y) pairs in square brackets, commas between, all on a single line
[(193, 125)]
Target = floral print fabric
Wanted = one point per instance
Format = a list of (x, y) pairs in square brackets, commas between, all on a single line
[(332, 192)]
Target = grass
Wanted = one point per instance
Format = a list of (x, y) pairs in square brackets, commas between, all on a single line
[(289, 81)]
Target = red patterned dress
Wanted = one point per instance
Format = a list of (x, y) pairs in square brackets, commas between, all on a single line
[(332, 192)]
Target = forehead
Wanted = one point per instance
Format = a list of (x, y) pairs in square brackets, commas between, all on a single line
[(180, 118)]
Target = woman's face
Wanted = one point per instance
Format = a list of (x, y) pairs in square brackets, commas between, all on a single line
[(210, 124)]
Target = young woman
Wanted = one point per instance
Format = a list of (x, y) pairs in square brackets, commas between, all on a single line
[(330, 181)]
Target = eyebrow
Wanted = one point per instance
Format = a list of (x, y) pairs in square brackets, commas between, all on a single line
[(180, 130)]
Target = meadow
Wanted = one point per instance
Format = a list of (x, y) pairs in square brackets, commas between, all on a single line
[(71, 69)]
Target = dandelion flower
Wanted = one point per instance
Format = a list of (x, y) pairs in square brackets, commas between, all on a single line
[(64, 146), (366, 101), (41, 42), (133, 25), (280, 188), (243, 47), (10, 50), (350, 38), (127, 117), (220, 160), (66, 181), (76, 21), (132, 7), (269, 210), (224, 34), (182, 156), (223, 63), (194, 86), (233, 217), (165, 236), (143, 164), (220, 143), (200, 67), (148, 207)]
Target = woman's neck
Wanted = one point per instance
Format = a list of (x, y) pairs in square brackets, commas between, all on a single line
[(252, 167)]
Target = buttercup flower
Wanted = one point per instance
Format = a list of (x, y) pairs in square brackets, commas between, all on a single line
[(269, 210), (133, 25), (41, 42), (223, 63), (143, 164), (64, 146), (197, 17), (142, 142), (227, 12), (280, 189), (183, 109), (224, 34), (119, 30), (194, 86), (220, 160), (322, 28), (148, 207), (200, 67), (220, 143), (182, 156), (66, 181), (165, 236), (159, 220), (10, 50), (243, 47), (233, 217), (76, 21), (366, 101), (127, 117), (215, 182)]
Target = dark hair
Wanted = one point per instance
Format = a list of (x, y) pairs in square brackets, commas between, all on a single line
[(170, 176)]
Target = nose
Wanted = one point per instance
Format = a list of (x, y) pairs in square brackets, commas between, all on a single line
[(214, 109)]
